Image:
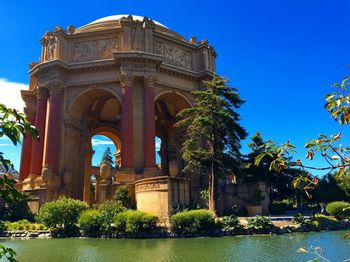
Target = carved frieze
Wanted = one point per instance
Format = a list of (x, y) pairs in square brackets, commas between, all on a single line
[(147, 187), (174, 55), (94, 50)]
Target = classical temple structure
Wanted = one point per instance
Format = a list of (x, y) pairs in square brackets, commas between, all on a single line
[(125, 77)]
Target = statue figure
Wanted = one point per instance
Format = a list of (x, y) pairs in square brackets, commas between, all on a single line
[(50, 43)]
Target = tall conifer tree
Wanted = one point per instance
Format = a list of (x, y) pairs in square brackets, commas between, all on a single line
[(213, 134)]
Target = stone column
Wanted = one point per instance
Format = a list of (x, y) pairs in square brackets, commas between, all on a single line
[(97, 188), (87, 174), (54, 127), (127, 121), (40, 122), (149, 123), (26, 153)]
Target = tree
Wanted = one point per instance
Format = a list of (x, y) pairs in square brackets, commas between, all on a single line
[(107, 157), (280, 184), (213, 134), (336, 156), (12, 124)]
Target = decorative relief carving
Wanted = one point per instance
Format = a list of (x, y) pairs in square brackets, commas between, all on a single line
[(174, 56), (126, 79), (94, 50), (149, 80), (147, 187)]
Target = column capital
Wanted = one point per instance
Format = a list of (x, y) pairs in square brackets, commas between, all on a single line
[(30, 113), (126, 79), (41, 92), (149, 80), (56, 87)]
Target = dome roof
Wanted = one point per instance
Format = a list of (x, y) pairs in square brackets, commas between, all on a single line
[(118, 17), (113, 21)]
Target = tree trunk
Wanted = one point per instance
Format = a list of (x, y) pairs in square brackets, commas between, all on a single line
[(212, 190)]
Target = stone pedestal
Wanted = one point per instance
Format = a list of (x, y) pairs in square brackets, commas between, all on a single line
[(157, 195)]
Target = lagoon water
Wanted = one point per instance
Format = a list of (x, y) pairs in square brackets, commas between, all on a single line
[(237, 248)]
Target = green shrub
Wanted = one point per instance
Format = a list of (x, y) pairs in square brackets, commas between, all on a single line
[(23, 225), (300, 219), (259, 223), (324, 221), (230, 224), (122, 196), (339, 209), (62, 213), (133, 221), (193, 221), (90, 222), (17, 210), (108, 211)]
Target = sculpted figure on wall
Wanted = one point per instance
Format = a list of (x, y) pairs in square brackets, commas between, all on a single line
[(94, 50), (174, 55), (49, 42)]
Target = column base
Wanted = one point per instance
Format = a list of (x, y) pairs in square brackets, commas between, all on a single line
[(127, 176), (151, 172), (32, 182)]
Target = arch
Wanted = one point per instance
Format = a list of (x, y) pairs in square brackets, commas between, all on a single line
[(188, 100), (85, 99), (111, 133)]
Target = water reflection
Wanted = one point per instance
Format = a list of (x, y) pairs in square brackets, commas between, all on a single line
[(239, 248)]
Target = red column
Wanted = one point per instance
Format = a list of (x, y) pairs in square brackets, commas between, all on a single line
[(26, 153), (127, 123), (40, 121), (53, 129), (149, 124)]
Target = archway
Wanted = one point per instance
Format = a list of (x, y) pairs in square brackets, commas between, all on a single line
[(167, 106), (98, 112)]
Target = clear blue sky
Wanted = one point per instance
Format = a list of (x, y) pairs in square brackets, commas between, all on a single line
[(283, 55)]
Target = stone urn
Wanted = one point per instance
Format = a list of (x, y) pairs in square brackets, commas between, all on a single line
[(105, 171)]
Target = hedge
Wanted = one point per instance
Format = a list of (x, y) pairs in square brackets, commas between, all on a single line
[(339, 209), (133, 221), (193, 221)]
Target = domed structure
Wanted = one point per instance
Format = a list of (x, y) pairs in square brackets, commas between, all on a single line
[(125, 77), (113, 21)]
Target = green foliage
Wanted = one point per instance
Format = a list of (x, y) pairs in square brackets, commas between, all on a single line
[(61, 213), (213, 133), (230, 224), (204, 194), (108, 210), (339, 209), (2, 227), (300, 219), (330, 189), (17, 210), (278, 207), (23, 225), (90, 222), (107, 157), (13, 124), (259, 223), (193, 221), (133, 221), (322, 221), (338, 102), (122, 196), (7, 253)]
